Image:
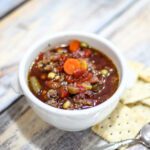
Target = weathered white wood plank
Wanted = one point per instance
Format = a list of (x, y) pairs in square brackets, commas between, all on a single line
[(20, 128), (24, 130), (8, 5), (133, 26), (48, 17), (35, 20)]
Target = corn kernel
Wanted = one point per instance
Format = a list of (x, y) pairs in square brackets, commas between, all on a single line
[(104, 72), (51, 75), (66, 104)]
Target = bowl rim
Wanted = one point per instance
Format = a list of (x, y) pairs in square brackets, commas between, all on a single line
[(58, 111)]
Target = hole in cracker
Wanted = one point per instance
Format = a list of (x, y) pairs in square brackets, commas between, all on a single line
[(111, 133), (129, 131), (109, 117), (110, 126), (127, 122), (118, 124), (117, 116), (120, 132), (101, 127)]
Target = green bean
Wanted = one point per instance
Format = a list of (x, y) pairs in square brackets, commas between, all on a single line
[(35, 84)]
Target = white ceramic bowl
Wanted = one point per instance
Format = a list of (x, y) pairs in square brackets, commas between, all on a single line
[(72, 120)]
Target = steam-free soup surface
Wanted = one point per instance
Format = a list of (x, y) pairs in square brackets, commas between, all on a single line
[(73, 76)]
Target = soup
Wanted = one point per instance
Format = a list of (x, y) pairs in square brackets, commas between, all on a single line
[(73, 76)]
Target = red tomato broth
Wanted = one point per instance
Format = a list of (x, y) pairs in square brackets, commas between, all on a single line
[(90, 84)]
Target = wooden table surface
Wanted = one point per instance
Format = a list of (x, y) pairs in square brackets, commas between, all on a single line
[(124, 22)]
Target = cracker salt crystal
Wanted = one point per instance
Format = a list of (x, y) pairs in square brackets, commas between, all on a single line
[(145, 74), (138, 92), (120, 125)]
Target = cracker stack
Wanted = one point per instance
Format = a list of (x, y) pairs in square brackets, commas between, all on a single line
[(133, 111)]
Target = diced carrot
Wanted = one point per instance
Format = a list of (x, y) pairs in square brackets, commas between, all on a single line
[(71, 65), (63, 92), (87, 52), (44, 92), (74, 45)]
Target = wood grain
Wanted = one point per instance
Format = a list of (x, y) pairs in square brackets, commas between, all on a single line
[(20, 127), (25, 126), (7, 6), (37, 19), (130, 33)]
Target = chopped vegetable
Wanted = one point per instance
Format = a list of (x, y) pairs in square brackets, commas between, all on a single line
[(54, 57), (69, 79), (104, 72), (96, 87), (84, 45), (94, 79), (52, 84), (87, 52), (44, 92), (57, 77), (83, 64), (52, 93), (87, 77), (35, 84), (52, 102), (48, 67), (74, 45), (63, 92), (87, 85), (73, 75), (78, 73), (71, 65), (43, 76), (51, 75), (66, 104), (73, 90), (60, 50), (40, 64)]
